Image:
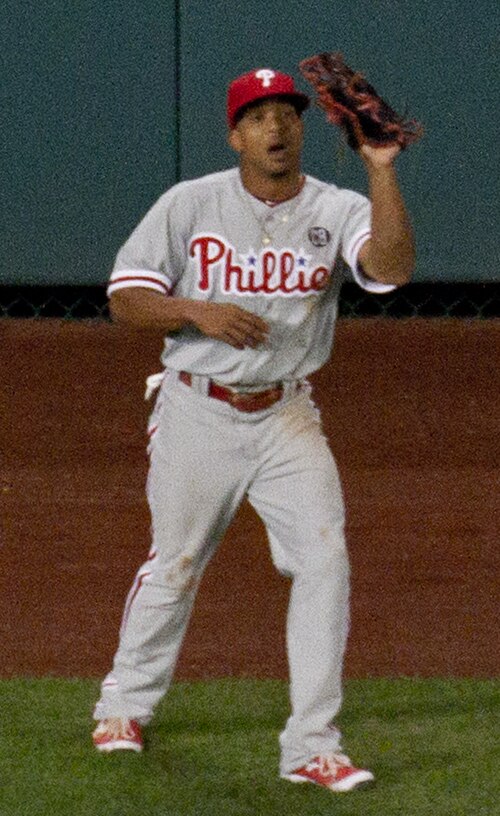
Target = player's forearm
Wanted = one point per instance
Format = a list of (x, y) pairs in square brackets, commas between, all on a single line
[(146, 309), (391, 257), (231, 324)]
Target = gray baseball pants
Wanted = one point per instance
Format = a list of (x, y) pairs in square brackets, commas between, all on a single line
[(205, 457)]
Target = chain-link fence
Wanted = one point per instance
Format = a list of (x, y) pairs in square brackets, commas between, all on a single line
[(467, 300)]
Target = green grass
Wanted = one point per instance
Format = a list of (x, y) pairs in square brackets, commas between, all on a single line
[(213, 751)]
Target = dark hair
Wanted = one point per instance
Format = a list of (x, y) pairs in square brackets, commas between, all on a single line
[(299, 104)]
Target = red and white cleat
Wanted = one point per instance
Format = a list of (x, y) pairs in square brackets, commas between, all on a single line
[(335, 772), (117, 734)]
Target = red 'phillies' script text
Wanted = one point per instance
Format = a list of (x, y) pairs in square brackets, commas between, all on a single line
[(270, 272)]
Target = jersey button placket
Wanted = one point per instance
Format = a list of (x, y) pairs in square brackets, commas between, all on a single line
[(267, 230)]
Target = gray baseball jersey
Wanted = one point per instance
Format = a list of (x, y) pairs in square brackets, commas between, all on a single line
[(209, 239)]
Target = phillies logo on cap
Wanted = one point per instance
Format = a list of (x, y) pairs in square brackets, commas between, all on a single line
[(259, 84), (266, 75)]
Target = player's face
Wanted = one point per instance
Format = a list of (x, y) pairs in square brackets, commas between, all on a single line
[(269, 139)]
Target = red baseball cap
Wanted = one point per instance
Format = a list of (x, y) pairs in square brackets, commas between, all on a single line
[(259, 84)]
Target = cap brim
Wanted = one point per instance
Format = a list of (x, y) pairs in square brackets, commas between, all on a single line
[(299, 100)]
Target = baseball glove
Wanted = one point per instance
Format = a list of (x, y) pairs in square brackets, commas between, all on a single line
[(355, 106)]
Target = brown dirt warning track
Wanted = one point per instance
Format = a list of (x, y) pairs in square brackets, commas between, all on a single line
[(412, 411)]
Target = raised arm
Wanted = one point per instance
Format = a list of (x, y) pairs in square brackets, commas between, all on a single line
[(389, 255)]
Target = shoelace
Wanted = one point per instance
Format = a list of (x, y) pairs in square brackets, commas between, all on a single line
[(330, 764), (117, 728)]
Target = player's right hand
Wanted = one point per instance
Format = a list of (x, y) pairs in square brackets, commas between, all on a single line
[(229, 323)]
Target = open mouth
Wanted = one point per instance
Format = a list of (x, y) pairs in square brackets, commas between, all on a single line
[(277, 149)]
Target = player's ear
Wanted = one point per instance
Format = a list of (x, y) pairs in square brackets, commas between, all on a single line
[(234, 139)]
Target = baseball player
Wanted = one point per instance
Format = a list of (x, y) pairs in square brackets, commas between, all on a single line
[(242, 269)]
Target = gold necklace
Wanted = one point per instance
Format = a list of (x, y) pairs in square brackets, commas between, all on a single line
[(271, 219)]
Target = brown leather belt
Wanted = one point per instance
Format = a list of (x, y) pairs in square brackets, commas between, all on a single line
[(242, 401)]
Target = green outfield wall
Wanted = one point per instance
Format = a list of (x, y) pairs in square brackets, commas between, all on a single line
[(105, 104)]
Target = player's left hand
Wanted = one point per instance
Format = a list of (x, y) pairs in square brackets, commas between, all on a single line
[(379, 156)]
